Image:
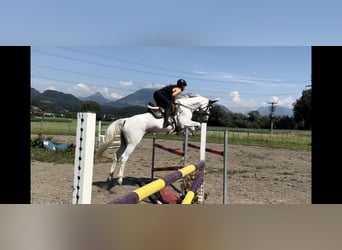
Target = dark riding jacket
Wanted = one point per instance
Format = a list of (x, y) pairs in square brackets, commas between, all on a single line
[(163, 96)]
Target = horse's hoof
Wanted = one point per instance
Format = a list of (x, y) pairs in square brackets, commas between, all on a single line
[(120, 181)]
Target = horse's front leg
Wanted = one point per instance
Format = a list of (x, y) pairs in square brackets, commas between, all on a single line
[(195, 130), (193, 127)]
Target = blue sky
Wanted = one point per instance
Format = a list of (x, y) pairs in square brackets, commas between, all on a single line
[(242, 77), (179, 27), (178, 22)]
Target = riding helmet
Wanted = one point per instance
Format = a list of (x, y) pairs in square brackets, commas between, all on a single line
[(181, 83)]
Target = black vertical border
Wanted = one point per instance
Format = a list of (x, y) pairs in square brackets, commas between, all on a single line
[(326, 130), (15, 83)]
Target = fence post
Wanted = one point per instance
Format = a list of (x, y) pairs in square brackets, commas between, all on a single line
[(185, 146), (84, 158), (99, 134), (225, 167), (153, 154)]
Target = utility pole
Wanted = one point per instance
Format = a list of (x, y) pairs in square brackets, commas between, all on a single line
[(272, 110)]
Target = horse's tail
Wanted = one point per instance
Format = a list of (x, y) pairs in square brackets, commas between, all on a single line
[(114, 129)]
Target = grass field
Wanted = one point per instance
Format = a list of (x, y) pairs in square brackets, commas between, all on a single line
[(291, 139)]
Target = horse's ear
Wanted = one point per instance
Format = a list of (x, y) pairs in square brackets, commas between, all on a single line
[(213, 101)]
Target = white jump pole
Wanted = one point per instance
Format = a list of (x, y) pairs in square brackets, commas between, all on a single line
[(200, 192), (203, 140), (225, 168), (84, 158), (99, 134)]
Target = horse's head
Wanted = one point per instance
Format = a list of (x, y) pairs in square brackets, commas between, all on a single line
[(194, 103), (201, 105), (205, 109)]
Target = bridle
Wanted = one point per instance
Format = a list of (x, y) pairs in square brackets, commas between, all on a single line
[(205, 112), (202, 111)]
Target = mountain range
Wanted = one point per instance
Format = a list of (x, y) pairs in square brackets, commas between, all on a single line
[(57, 102), (138, 98)]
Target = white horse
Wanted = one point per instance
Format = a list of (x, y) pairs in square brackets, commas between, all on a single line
[(132, 129)]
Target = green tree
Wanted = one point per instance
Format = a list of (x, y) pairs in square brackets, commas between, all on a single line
[(255, 118), (219, 117), (91, 106), (284, 122), (302, 111), (241, 120)]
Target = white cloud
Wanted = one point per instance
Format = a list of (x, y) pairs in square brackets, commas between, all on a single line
[(200, 72), (51, 88), (85, 90), (239, 105), (261, 81), (41, 84), (126, 83), (275, 99), (285, 102), (82, 88), (108, 94), (115, 96), (236, 103), (235, 96), (153, 86)]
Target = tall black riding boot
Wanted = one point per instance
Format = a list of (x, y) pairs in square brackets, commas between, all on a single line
[(166, 118)]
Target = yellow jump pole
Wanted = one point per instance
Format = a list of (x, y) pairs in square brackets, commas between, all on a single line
[(141, 193)]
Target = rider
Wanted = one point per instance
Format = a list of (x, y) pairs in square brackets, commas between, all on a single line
[(166, 96)]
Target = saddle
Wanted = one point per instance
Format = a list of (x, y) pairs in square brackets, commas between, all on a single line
[(155, 110), (158, 113)]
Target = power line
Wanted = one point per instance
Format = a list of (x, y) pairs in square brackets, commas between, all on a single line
[(159, 74), (75, 72), (158, 67), (131, 62), (140, 84)]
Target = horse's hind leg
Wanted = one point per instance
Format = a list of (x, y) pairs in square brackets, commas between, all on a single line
[(124, 158), (117, 158), (112, 168)]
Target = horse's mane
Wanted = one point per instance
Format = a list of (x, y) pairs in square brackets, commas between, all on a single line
[(190, 95)]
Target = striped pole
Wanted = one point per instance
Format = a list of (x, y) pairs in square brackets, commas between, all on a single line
[(168, 168), (153, 155), (141, 193), (166, 148), (223, 153), (194, 187), (172, 150), (214, 151)]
